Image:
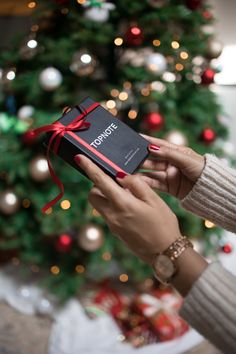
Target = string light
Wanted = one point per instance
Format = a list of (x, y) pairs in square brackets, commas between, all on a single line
[(184, 55), (145, 91), (132, 114), (179, 67), (113, 111), (65, 204), (175, 45), (123, 96), (32, 4), (127, 85), (81, 2), (34, 28), (80, 269), (115, 93), (26, 203), (110, 104), (209, 224), (123, 278), (118, 41), (95, 213), (156, 42), (106, 256), (55, 270)]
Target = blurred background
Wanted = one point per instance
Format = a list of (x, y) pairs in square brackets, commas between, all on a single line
[(165, 68)]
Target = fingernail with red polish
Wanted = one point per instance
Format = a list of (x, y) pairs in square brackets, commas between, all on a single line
[(121, 174), (77, 159), (154, 147)]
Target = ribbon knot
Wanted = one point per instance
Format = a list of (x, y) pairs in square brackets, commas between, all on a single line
[(58, 131)]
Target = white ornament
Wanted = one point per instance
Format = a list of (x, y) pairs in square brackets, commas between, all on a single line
[(25, 112), (156, 63), (50, 78), (177, 138), (99, 14)]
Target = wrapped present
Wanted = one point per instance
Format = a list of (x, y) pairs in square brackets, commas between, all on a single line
[(160, 308)]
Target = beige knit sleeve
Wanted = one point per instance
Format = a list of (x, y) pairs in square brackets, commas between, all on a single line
[(210, 307), (213, 196)]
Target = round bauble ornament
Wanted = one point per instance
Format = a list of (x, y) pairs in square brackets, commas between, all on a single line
[(134, 36), (9, 202), (208, 135), (83, 63), (157, 3), (207, 77), (214, 49), (50, 78), (176, 137), (99, 13), (153, 121), (26, 113), (194, 4), (38, 169), (64, 243), (29, 138), (227, 248), (156, 63), (91, 237)]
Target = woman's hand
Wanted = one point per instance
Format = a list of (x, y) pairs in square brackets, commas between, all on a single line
[(135, 213), (173, 169)]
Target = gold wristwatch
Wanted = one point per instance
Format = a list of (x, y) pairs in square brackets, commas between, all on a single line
[(164, 263)]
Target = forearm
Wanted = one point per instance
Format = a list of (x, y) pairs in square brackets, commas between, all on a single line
[(213, 196)]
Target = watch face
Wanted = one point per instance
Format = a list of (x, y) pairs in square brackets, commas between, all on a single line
[(164, 267)]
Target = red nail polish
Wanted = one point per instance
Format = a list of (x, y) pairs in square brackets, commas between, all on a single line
[(121, 174), (77, 159), (154, 147)]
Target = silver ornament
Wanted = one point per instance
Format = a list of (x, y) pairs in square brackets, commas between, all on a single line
[(38, 169), (9, 202), (91, 237), (99, 14), (83, 63), (156, 63), (176, 137), (214, 49), (50, 78), (25, 112)]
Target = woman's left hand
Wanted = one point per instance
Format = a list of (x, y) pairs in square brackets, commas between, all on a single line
[(132, 210)]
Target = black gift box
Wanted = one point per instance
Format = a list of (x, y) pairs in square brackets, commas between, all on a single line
[(110, 143)]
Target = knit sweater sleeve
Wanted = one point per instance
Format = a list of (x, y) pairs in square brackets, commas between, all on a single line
[(210, 307), (213, 196)]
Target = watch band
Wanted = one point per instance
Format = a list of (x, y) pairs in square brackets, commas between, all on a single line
[(177, 248)]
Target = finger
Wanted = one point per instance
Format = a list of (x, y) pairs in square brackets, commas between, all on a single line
[(97, 191), (98, 201), (153, 164), (154, 182), (102, 181), (139, 188), (155, 141)]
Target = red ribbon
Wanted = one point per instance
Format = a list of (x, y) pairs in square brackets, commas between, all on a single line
[(59, 130)]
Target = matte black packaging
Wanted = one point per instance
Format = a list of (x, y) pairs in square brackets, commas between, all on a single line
[(108, 142)]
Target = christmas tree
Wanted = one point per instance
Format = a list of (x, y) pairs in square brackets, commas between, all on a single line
[(150, 64)]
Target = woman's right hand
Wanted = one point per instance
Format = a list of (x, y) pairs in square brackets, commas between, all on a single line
[(171, 168)]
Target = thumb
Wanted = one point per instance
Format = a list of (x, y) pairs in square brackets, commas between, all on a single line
[(138, 187)]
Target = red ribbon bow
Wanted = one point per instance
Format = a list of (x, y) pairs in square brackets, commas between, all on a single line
[(58, 131)]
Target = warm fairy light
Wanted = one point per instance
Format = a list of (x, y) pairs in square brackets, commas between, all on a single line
[(145, 91), (123, 96), (127, 85), (48, 211), (15, 261), (175, 45), (95, 213), (32, 43), (106, 256), (118, 41), (80, 269), (65, 204), (35, 268), (184, 55), (158, 86), (156, 42), (135, 31), (123, 278), (115, 93), (26, 203), (34, 28), (179, 67), (11, 75), (55, 270), (64, 11), (169, 76), (32, 4), (110, 104), (209, 224), (113, 111), (132, 114), (81, 2), (86, 58)]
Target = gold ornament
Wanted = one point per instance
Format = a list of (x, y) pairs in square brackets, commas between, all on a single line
[(91, 237), (214, 49), (39, 169), (177, 138), (9, 202)]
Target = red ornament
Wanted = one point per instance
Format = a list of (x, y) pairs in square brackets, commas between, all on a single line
[(207, 15), (227, 248), (208, 135), (208, 77), (28, 138), (134, 36), (153, 121), (64, 243), (193, 4)]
